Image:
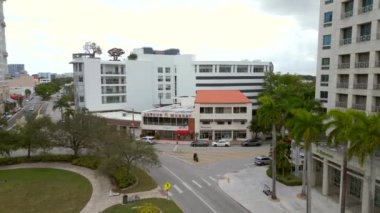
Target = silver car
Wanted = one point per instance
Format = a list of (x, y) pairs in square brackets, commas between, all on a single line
[(262, 160)]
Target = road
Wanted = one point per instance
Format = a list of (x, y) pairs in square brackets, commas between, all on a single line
[(195, 185)]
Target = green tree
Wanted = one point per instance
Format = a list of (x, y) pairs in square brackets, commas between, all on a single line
[(269, 116), (35, 134), (283, 157), (61, 104), (306, 126), (255, 126), (8, 142), (363, 146), (340, 130), (28, 92), (46, 90)]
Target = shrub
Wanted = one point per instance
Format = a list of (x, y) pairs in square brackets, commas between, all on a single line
[(288, 179), (34, 159), (149, 208), (90, 162), (123, 179)]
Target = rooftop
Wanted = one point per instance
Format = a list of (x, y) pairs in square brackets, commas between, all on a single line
[(221, 97), (175, 108), (120, 115)]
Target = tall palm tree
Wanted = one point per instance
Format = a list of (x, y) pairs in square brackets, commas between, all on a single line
[(306, 126), (61, 104), (363, 146), (340, 132), (269, 115)]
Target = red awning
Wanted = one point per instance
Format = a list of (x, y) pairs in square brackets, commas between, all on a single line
[(182, 132)]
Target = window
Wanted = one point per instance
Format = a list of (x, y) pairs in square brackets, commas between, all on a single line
[(348, 7), (355, 186), (80, 78), (113, 99), (240, 109), (223, 110), (167, 78), (206, 110), (160, 95), (220, 122), (327, 22), (160, 87), (81, 98), (258, 69), (326, 41), (324, 94), (229, 122), (225, 68), (160, 70), (167, 87), (365, 32), (366, 6), (346, 36), (242, 69), (205, 122), (325, 63), (167, 69), (328, 1), (242, 122), (324, 80), (160, 78), (377, 196), (168, 95), (205, 68)]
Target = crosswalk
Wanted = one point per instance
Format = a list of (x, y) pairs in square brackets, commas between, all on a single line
[(182, 187)]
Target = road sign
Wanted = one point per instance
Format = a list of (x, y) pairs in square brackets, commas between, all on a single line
[(167, 186)]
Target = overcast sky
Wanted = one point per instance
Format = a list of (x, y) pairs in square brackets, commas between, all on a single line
[(42, 34)]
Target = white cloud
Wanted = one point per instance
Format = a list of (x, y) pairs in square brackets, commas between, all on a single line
[(43, 34)]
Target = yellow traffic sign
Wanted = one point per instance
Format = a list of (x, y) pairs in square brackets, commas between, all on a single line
[(167, 186)]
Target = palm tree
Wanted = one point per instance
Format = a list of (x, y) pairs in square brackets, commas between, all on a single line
[(69, 112), (363, 146), (306, 126), (340, 132), (269, 114), (61, 104)]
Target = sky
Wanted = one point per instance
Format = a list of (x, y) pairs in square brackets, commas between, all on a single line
[(43, 34)]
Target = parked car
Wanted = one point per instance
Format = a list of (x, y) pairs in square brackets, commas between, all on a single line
[(222, 142), (200, 143), (251, 142), (262, 160), (148, 139)]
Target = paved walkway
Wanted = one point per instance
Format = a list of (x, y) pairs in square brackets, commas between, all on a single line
[(246, 187), (101, 186)]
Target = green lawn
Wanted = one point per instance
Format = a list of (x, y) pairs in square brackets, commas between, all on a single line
[(43, 190), (145, 182), (167, 206)]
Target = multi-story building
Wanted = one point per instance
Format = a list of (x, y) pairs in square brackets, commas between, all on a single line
[(15, 70), (348, 76), (4, 94), (46, 77), (156, 78), (348, 71), (222, 114)]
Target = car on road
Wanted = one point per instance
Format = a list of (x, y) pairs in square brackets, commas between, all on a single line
[(200, 143), (251, 142), (148, 139), (222, 142), (262, 160)]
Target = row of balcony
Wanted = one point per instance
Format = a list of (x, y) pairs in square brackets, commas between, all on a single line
[(344, 85), (361, 10), (357, 106), (362, 38), (360, 64)]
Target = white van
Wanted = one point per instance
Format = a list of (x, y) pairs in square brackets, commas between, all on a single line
[(149, 139)]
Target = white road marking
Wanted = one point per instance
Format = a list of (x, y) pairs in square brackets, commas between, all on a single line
[(213, 179), (195, 193), (196, 183), (178, 189), (208, 183)]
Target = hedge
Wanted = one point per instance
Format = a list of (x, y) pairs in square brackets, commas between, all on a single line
[(289, 179)]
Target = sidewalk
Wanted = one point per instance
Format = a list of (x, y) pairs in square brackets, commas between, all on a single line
[(246, 187)]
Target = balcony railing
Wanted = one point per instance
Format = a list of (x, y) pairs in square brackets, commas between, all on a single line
[(324, 84), (375, 108), (343, 65), (360, 86), (359, 106), (362, 64), (327, 24), (347, 14), (345, 41), (376, 86), (342, 85), (377, 63), (363, 38), (325, 67), (341, 104), (365, 9)]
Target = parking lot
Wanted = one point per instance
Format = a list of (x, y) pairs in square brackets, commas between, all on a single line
[(212, 154)]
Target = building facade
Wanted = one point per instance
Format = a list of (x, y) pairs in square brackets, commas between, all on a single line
[(157, 78), (15, 70), (19, 85), (222, 114), (348, 71)]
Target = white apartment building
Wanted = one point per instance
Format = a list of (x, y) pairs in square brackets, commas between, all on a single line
[(222, 114), (348, 71), (156, 78), (348, 76)]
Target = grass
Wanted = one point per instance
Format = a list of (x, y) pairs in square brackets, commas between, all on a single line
[(43, 190), (166, 206), (145, 182)]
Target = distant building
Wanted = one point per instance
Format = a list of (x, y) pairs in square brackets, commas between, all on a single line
[(46, 77), (19, 85), (15, 70)]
